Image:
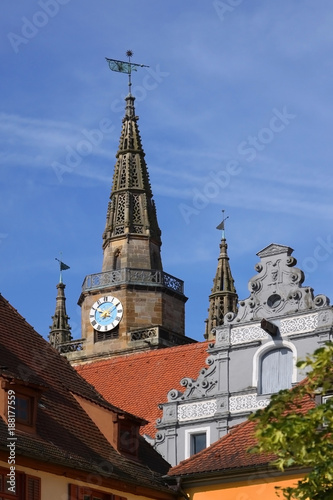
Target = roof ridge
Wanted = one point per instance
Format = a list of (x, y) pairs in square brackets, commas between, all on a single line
[(156, 352), (105, 404), (15, 311)]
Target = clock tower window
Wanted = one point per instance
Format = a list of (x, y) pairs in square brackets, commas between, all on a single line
[(101, 336), (116, 260)]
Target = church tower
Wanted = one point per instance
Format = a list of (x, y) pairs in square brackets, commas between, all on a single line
[(132, 304), (223, 298)]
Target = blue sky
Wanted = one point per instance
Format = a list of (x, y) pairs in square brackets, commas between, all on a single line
[(235, 114)]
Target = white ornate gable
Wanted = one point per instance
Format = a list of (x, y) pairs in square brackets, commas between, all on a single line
[(280, 311), (276, 290)]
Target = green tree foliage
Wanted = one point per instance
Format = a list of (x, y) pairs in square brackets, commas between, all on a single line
[(299, 431)]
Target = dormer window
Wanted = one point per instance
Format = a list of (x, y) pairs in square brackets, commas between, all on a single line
[(24, 406), (128, 438), (120, 429), (18, 401)]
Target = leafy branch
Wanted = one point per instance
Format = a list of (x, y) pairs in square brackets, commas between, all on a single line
[(299, 432)]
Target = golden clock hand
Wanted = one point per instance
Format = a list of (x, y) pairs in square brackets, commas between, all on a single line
[(106, 312)]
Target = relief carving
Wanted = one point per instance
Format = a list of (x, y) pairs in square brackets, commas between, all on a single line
[(247, 402), (277, 289), (204, 386), (196, 411)]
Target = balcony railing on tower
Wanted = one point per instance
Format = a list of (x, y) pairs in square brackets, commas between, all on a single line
[(147, 277)]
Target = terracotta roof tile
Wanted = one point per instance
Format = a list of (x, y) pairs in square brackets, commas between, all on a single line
[(230, 452), (65, 434), (139, 382)]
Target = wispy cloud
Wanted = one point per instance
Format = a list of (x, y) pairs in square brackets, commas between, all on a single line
[(36, 143)]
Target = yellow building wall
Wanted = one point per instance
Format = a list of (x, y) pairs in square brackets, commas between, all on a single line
[(252, 489), (55, 487)]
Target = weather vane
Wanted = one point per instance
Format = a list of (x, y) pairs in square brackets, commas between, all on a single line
[(221, 225), (63, 267), (125, 67)]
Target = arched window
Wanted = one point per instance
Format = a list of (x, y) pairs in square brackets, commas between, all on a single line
[(276, 370), (274, 367)]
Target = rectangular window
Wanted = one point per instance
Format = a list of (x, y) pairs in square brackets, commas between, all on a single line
[(324, 400), (196, 439), (21, 403), (128, 440), (198, 442), (33, 489), (23, 409), (84, 493), (111, 334), (19, 487), (10, 490)]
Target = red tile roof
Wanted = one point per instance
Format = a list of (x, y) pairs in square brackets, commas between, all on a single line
[(139, 382), (65, 434), (230, 452)]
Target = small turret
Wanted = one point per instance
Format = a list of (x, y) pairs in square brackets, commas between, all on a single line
[(60, 330), (223, 298)]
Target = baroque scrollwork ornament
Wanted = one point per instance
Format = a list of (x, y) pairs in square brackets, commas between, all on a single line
[(276, 290)]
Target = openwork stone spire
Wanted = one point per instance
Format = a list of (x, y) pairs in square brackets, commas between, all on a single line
[(60, 331), (131, 214), (223, 298)]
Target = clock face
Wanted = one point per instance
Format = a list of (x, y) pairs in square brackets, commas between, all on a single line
[(106, 313)]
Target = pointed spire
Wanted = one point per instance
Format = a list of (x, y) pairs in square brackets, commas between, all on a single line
[(131, 215), (223, 298), (60, 330)]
